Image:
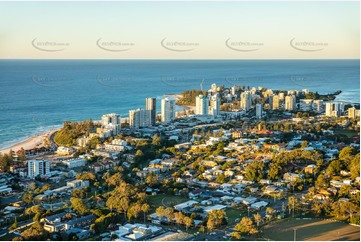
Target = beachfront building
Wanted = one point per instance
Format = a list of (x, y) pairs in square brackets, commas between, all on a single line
[(290, 103), (167, 110), (334, 109), (62, 150), (151, 104), (139, 118), (318, 105), (215, 105), (281, 96), (353, 113), (202, 105), (72, 163), (245, 100), (38, 168), (110, 123), (306, 104), (274, 102), (259, 110), (110, 119)]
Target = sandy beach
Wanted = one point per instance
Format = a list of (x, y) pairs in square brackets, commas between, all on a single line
[(35, 141), (177, 96)]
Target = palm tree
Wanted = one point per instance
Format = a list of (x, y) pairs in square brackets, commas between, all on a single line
[(145, 209), (258, 218)]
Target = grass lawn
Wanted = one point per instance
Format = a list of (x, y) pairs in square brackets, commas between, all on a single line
[(234, 213), (314, 229), (165, 200), (348, 133)]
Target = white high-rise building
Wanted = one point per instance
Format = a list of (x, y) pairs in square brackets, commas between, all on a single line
[(290, 102), (151, 104), (306, 104), (111, 119), (259, 110), (202, 105), (38, 168), (353, 112), (334, 109), (245, 100), (215, 105), (274, 102), (233, 90), (168, 112), (318, 105), (281, 96), (140, 118)]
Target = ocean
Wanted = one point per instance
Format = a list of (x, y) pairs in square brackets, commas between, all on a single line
[(38, 95)]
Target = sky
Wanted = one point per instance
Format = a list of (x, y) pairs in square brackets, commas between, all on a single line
[(179, 30)]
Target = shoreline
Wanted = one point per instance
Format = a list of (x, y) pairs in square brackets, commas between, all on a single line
[(30, 143), (186, 107)]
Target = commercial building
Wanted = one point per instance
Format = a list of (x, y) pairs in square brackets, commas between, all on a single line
[(167, 110), (202, 105), (151, 104), (38, 168)]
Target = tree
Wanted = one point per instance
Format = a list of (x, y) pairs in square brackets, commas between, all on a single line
[(22, 155), (79, 205), (221, 178), (134, 211), (179, 217), (317, 207), (293, 204), (78, 193), (188, 222), (334, 168), (151, 179), (115, 179), (258, 219), (254, 171), (14, 226), (236, 235), (86, 176), (355, 166), (156, 140), (27, 197), (202, 229), (124, 205), (160, 211), (245, 226), (145, 209), (215, 219), (35, 232), (346, 154)]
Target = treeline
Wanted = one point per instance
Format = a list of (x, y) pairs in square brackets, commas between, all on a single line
[(189, 97), (71, 131)]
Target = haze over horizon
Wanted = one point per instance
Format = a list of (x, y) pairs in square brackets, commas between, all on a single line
[(174, 30)]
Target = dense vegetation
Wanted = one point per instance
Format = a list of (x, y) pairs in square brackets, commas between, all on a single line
[(71, 131), (189, 97)]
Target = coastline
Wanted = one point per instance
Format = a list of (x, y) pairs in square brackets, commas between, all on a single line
[(177, 96), (32, 142)]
